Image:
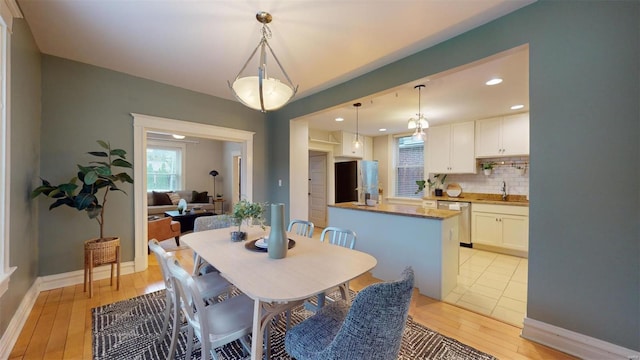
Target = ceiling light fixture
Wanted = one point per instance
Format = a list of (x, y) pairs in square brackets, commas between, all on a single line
[(421, 122), (338, 119), (262, 92), (517, 107), (179, 137), (356, 140), (494, 81)]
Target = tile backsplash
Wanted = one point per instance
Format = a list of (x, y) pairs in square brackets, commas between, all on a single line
[(492, 184)]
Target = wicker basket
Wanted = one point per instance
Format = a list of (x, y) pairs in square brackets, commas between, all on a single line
[(104, 250)]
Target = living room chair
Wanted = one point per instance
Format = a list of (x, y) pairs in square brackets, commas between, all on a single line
[(162, 229), (210, 287), (214, 325), (301, 227), (371, 328), (200, 266)]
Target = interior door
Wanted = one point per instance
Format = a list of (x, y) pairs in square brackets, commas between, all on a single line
[(318, 190)]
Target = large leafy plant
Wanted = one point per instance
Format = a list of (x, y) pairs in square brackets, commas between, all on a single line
[(98, 175)]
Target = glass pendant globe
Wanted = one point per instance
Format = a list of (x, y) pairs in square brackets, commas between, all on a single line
[(276, 94)]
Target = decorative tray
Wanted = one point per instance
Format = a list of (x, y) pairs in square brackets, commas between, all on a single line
[(251, 245)]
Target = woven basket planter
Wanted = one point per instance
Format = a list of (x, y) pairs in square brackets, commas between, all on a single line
[(105, 251)]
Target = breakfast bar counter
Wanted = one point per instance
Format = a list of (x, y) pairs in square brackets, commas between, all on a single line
[(404, 235)]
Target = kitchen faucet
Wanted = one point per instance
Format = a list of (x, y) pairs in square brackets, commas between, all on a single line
[(504, 190)]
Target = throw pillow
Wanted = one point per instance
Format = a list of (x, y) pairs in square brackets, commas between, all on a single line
[(175, 197), (161, 198), (197, 197)]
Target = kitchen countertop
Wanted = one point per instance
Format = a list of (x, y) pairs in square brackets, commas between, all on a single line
[(480, 198), (405, 210)]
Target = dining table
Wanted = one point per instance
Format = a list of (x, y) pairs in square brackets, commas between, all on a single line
[(309, 268)]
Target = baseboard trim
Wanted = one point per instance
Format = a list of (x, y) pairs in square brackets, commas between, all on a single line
[(10, 336), (570, 342), (50, 282), (44, 283)]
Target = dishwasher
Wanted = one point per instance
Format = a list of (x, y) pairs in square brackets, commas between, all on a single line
[(464, 230)]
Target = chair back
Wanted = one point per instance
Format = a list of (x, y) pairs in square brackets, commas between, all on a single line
[(203, 223), (188, 296), (301, 227), (161, 256), (339, 236), (375, 323)]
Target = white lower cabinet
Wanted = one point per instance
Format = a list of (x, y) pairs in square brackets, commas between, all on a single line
[(504, 226)]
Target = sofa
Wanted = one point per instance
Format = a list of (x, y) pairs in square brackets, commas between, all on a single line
[(157, 203)]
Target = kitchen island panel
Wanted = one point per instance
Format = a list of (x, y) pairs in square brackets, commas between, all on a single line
[(430, 246)]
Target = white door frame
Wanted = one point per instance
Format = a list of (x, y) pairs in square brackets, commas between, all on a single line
[(142, 124)]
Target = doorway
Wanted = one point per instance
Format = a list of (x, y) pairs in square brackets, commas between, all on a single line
[(143, 124), (318, 188)]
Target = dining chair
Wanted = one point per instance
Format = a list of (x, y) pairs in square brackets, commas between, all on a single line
[(371, 328), (301, 227), (202, 223), (339, 236), (210, 286), (214, 325)]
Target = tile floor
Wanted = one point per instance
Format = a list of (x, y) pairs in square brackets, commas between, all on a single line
[(492, 284)]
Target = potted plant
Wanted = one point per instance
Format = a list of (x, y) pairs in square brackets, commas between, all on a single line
[(437, 182), (487, 167), (243, 211), (520, 169), (96, 178)]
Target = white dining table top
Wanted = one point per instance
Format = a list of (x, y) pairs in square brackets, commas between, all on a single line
[(309, 268)]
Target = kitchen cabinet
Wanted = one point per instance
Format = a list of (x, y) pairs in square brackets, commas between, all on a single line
[(450, 149), (345, 146), (503, 136), (503, 226)]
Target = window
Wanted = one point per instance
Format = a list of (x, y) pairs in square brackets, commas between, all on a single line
[(165, 167), (409, 166)]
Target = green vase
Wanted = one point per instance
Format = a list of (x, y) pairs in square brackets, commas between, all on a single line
[(278, 241)]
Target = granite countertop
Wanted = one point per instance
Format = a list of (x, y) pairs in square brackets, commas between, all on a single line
[(404, 210), (480, 198)]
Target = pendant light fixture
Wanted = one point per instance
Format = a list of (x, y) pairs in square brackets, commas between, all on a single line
[(357, 144), (262, 92), (421, 122)]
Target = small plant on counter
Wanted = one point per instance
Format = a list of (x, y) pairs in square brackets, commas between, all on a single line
[(437, 182), (488, 165)]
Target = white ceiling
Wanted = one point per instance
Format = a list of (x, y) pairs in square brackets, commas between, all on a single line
[(200, 44)]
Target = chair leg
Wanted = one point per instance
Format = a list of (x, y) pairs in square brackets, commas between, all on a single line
[(178, 240)]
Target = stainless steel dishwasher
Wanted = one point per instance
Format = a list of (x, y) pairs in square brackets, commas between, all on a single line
[(464, 231)]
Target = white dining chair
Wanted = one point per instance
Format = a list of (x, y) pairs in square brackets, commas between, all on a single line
[(339, 236), (301, 227), (213, 325), (202, 223), (211, 286)]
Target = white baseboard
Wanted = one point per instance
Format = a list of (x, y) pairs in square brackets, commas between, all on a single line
[(44, 283), (570, 342), (50, 282), (18, 320)]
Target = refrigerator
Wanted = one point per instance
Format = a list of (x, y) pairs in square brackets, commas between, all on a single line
[(355, 179)]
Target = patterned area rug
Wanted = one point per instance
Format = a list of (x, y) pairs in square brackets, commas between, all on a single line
[(129, 329)]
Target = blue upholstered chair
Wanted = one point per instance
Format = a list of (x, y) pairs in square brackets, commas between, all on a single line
[(371, 328)]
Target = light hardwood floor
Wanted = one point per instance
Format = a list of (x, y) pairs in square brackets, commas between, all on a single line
[(59, 326)]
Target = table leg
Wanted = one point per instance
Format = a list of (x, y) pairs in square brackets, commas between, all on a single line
[(256, 333)]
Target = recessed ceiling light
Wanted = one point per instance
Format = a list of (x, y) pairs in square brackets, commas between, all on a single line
[(339, 119), (382, 130), (179, 137), (517, 107), (494, 81)]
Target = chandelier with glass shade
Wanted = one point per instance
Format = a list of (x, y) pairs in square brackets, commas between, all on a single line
[(262, 92), (420, 123)]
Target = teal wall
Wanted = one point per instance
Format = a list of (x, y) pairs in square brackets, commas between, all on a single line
[(25, 145), (83, 103), (584, 256)]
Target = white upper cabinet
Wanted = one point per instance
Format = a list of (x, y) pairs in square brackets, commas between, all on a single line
[(503, 136), (345, 148), (450, 149)]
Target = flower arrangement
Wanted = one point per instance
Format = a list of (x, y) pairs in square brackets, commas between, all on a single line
[(245, 210)]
